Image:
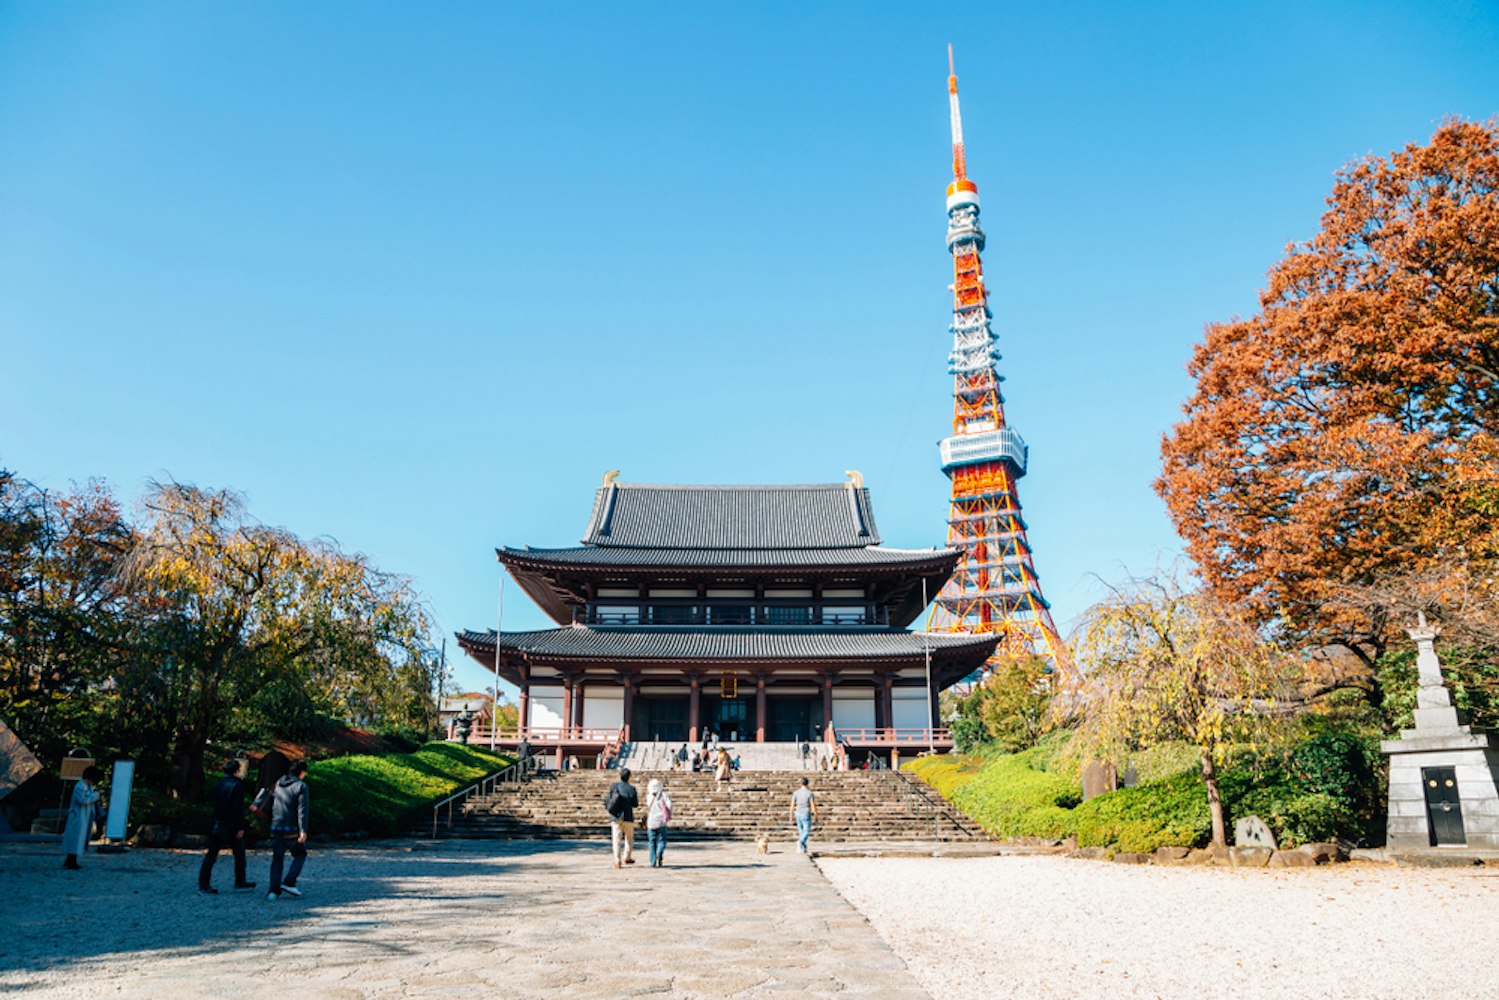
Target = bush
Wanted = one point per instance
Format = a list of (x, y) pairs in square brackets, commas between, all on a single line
[(1296, 816), (1165, 813), (1017, 795)]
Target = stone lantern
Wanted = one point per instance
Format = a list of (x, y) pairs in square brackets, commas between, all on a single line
[(1444, 775), (465, 724)]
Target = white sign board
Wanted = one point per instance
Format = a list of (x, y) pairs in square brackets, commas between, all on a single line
[(119, 799)]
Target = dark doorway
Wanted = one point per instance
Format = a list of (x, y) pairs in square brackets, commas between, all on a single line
[(733, 719), (1444, 810), (659, 718), (794, 718)]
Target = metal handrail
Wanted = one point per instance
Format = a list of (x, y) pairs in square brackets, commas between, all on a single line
[(517, 770)]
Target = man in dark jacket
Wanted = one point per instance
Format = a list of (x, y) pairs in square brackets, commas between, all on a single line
[(288, 829), (620, 802), (228, 829)]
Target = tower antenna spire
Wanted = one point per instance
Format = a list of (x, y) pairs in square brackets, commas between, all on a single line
[(959, 162), (994, 589)]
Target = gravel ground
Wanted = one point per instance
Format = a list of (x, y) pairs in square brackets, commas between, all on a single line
[(1055, 927)]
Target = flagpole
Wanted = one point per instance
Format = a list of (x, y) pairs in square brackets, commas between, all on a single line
[(926, 651), (494, 704)]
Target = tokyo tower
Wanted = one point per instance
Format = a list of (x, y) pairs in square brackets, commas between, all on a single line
[(995, 588)]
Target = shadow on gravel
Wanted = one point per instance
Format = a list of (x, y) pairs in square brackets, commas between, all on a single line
[(122, 908)]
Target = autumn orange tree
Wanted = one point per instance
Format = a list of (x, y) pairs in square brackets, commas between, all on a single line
[(1349, 432)]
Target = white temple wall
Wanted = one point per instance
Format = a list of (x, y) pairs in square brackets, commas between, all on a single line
[(546, 707), (908, 706), (853, 709), (603, 707)]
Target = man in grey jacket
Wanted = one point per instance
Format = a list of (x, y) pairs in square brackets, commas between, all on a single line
[(288, 829)]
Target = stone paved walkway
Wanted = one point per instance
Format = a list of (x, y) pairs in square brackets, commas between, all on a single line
[(452, 919)]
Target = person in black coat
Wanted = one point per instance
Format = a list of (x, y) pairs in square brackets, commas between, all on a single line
[(228, 830)]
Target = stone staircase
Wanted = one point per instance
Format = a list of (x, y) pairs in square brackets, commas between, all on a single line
[(852, 806), (649, 756)]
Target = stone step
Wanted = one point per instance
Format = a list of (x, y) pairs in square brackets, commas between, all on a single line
[(852, 806)]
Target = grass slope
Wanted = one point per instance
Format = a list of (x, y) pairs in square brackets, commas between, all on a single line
[(384, 794)]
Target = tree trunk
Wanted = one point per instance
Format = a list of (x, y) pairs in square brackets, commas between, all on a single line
[(1215, 800), (187, 763)]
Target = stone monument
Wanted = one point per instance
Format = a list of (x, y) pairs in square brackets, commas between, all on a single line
[(1444, 775)]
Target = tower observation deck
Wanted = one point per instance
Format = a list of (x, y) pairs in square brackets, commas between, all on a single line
[(995, 588)]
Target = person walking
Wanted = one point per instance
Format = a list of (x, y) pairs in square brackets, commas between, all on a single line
[(657, 816), (228, 829), (524, 753), (803, 809), (81, 816), (289, 812), (620, 803), (721, 770)]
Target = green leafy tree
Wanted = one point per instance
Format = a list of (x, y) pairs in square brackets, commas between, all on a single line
[(240, 610), (61, 610)]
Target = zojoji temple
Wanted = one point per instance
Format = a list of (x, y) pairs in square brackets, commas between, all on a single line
[(759, 613)]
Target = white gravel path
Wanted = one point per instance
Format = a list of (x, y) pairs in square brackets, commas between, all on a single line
[(1057, 927)]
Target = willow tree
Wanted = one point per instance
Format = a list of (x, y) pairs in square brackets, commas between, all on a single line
[(237, 606), (1348, 433), (1162, 663)]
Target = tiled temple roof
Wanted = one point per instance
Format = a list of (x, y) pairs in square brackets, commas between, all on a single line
[(730, 643), (616, 556), (816, 516)]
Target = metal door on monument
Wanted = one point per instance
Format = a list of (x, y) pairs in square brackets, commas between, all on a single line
[(1444, 810)]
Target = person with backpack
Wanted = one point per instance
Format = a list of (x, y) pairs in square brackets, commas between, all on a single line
[(620, 803), (657, 816), (228, 829), (289, 811)]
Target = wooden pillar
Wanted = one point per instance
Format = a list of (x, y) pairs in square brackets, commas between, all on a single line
[(523, 710), (578, 704), (827, 704), (887, 686), (759, 708), (629, 704), (879, 704), (692, 709), (567, 703)]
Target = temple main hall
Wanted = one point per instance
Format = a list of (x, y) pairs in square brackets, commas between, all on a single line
[(757, 613)]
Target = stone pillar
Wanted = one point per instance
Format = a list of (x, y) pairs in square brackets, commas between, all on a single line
[(692, 711), (759, 708), (1441, 764)]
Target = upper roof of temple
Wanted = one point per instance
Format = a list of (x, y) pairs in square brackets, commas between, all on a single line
[(651, 516)]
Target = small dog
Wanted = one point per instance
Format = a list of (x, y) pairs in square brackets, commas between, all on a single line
[(762, 844)]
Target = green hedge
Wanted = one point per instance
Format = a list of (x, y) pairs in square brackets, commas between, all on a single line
[(1017, 795), (386, 794)]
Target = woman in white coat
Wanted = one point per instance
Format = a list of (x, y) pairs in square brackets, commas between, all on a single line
[(75, 835)]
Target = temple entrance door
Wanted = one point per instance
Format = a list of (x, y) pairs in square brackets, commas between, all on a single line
[(659, 717), (733, 719), (794, 718)]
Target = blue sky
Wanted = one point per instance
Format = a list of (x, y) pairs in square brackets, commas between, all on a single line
[(413, 276)]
